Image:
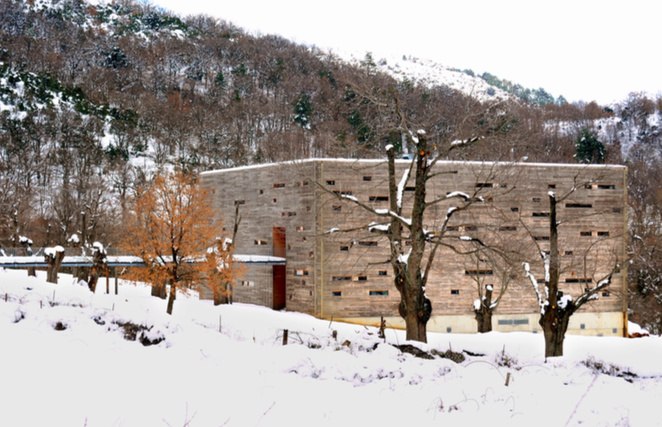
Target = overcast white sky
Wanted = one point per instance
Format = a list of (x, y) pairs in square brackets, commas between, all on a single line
[(583, 49)]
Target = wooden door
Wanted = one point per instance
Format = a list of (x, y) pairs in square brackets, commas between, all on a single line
[(279, 273)]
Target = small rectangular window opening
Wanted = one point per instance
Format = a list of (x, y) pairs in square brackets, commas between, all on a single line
[(344, 248), (579, 280), (378, 198), (342, 193), (603, 234), (336, 293), (485, 185), (536, 200), (585, 233), (382, 273), (336, 208), (279, 185), (367, 243), (410, 188), (376, 293), (455, 292), (579, 205), (239, 202), (540, 214), (330, 182), (551, 186), (606, 187), (362, 278), (479, 272), (513, 321), (514, 209), (367, 178), (541, 238), (341, 278), (300, 272), (260, 242), (507, 228), (568, 253)]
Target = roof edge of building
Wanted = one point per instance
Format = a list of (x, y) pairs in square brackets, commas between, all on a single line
[(450, 162)]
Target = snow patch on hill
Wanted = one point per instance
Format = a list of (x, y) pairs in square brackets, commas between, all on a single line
[(430, 73)]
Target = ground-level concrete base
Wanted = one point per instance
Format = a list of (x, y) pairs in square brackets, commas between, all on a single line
[(597, 324)]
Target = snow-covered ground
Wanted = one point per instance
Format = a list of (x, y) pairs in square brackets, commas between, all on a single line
[(65, 362)]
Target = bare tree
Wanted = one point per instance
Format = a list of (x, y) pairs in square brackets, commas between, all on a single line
[(53, 257), (401, 224), (501, 273), (555, 307)]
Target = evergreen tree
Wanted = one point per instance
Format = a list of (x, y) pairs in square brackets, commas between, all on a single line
[(220, 79), (589, 148), (303, 110)]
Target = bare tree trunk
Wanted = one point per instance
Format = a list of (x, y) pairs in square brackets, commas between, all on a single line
[(221, 296), (484, 312), (554, 324), (554, 320), (171, 297), (415, 308), (159, 290), (28, 252), (54, 261), (416, 317), (97, 268)]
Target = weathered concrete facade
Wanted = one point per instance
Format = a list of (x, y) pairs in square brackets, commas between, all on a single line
[(288, 209)]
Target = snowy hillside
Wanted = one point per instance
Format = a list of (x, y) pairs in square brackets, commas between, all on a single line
[(71, 358), (430, 73)]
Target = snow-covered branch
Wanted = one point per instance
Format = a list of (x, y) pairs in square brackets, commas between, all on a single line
[(542, 302)]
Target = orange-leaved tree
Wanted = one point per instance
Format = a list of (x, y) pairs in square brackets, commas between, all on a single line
[(172, 228)]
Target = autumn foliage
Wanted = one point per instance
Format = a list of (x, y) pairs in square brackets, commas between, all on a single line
[(172, 228)]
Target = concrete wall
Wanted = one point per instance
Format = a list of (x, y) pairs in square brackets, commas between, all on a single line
[(270, 196), (347, 275)]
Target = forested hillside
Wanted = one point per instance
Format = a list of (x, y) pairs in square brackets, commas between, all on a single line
[(94, 99)]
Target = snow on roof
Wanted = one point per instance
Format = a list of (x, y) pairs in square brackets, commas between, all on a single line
[(401, 161)]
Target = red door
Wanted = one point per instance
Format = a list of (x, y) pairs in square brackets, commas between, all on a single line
[(279, 288)]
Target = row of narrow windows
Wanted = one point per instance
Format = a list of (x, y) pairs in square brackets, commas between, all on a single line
[(371, 293), (332, 182), (373, 243), (360, 277)]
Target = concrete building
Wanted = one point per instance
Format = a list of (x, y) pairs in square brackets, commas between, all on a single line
[(288, 210)]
